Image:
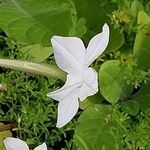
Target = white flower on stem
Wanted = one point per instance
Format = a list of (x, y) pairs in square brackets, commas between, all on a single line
[(72, 57), (17, 144)]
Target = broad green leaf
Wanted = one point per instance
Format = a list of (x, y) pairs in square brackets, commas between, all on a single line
[(143, 97), (35, 21), (142, 41), (96, 14), (116, 40), (95, 20), (36, 52), (91, 100), (82, 143), (97, 130), (3, 135), (113, 85)]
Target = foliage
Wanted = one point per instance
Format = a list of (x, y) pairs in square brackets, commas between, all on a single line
[(104, 127), (114, 87), (34, 52), (35, 23), (117, 117), (98, 129), (23, 101)]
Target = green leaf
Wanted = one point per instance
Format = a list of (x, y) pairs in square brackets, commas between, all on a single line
[(131, 107), (79, 28), (136, 7), (116, 40), (100, 9), (141, 46), (95, 13), (147, 7), (33, 22), (91, 100), (84, 144), (143, 97), (96, 129), (3, 135), (113, 85), (37, 52)]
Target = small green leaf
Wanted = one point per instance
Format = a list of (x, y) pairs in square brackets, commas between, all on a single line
[(91, 100), (143, 97), (113, 85), (37, 52), (79, 28), (131, 107)]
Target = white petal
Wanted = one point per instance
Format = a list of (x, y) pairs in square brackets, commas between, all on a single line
[(41, 147), (73, 82), (67, 108), (15, 144), (90, 85), (69, 53), (97, 45)]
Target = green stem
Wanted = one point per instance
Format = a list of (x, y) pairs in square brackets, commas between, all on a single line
[(44, 69)]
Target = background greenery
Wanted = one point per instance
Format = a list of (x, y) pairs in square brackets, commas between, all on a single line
[(116, 118)]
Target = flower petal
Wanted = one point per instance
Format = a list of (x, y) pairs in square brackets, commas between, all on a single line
[(97, 45), (41, 147), (73, 81), (15, 144), (69, 53), (67, 108), (90, 84)]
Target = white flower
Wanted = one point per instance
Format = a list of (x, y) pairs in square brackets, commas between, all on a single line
[(17, 144), (72, 57)]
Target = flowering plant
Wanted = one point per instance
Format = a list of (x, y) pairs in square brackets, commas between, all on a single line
[(101, 83), (71, 56)]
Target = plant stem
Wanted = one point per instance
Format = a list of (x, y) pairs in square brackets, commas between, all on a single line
[(37, 68)]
